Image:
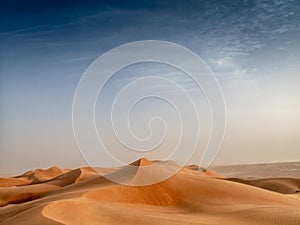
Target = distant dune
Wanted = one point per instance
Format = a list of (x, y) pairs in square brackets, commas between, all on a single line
[(281, 185), (82, 196)]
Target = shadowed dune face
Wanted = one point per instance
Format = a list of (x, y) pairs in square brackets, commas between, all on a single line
[(82, 196), (280, 185)]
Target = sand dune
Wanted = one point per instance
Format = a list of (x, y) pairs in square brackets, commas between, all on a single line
[(82, 196), (32, 177), (281, 185), (47, 182)]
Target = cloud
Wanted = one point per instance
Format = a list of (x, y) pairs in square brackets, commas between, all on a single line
[(225, 34)]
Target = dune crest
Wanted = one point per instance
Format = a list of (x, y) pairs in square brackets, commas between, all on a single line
[(142, 162)]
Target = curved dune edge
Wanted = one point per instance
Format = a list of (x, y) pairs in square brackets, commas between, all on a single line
[(82, 196)]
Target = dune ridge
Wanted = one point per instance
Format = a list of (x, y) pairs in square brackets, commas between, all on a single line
[(83, 196)]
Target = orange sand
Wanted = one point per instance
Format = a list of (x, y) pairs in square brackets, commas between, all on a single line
[(81, 196)]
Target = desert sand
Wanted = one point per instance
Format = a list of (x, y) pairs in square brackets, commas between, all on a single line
[(82, 196)]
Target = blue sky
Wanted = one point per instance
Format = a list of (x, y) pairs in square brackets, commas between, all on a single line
[(253, 47)]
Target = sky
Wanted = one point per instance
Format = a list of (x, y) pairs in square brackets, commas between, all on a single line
[(252, 47)]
